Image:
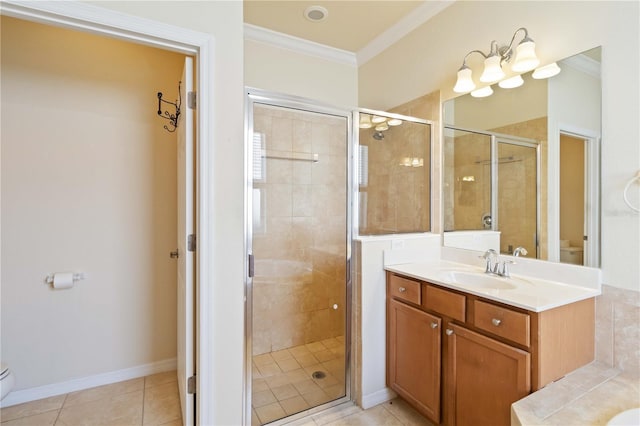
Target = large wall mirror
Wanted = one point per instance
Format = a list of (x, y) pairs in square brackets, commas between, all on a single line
[(521, 167)]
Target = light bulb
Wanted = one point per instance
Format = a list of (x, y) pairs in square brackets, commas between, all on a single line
[(465, 82), (512, 82), (526, 58), (483, 92), (492, 70), (546, 71)]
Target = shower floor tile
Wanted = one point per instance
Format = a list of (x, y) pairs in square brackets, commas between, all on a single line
[(283, 382)]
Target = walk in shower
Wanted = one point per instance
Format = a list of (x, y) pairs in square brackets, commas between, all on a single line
[(298, 236)]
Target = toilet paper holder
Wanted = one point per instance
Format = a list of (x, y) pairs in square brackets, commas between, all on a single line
[(77, 276)]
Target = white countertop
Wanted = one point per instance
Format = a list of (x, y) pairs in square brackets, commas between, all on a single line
[(529, 293)]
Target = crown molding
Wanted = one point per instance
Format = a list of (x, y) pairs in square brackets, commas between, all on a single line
[(585, 64), (393, 34), (299, 45)]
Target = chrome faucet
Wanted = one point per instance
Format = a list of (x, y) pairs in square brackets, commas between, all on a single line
[(490, 267), (496, 267), (520, 251)]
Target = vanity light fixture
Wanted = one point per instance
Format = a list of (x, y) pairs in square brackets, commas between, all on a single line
[(546, 71), (525, 60), (513, 82), (394, 122), (482, 92), (382, 127), (378, 119), (365, 121)]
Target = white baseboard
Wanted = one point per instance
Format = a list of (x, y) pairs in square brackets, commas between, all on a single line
[(373, 399), (39, 392)]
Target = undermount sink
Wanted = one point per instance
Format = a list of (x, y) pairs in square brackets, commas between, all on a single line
[(480, 280)]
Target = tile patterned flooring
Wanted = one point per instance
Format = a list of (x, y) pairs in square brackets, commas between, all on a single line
[(151, 400), (282, 382)]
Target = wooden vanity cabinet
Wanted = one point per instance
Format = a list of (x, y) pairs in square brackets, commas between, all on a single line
[(484, 377), (460, 359), (414, 357)]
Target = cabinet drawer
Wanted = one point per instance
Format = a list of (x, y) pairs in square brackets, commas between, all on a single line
[(405, 289), (445, 302), (502, 322)]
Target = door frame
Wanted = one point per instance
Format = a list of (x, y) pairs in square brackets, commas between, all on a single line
[(96, 20), (253, 95)]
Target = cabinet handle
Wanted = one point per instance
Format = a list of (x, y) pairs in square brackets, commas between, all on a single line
[(496, 321), (434, 325), (402, 289), (449, 331)]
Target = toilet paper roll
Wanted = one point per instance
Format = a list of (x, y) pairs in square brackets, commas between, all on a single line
[(63, 280)]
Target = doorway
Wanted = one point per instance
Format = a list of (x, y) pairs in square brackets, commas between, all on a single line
[(299, 277), (118, 172)]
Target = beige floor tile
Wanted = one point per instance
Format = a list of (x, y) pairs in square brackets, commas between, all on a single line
[(316, 347), (105, 391), (299, 350), (373, 416), (43, 419), (161, 404), (161, 378), (269, 369), (331, 343), (316, 397), (335, 391), (263, 359), (32, 408), (335, 413), (285, 392), (405, 413), (294, 405), (307, 359), (117, 410), (327, 381), (255, 421), (259, 385), (306, 386), (176, 422), (288, 364), (270, 412), (278, 380), (281, 355), (297, 375), (255, 373), (325, 355), (260, 399)]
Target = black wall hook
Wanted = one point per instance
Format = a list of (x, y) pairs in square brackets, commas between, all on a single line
[(173, 118)]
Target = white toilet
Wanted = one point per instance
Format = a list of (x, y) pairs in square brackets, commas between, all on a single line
[(7, 380)]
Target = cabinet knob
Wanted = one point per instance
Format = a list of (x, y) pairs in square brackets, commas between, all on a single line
[(449, 331), (402, 289), (434, 325), (496, 321)]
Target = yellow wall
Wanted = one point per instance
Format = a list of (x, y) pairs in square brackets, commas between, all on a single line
[(572, 190), (88, 185)]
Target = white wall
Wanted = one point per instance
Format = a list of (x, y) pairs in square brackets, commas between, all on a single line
[(223, 20), (427, 59), (284, 71), (88, 185)]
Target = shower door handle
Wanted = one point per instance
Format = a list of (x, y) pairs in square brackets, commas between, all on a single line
[(250, 266)]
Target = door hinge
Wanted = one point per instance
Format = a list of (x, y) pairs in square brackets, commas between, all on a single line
[(191, 385), (191, 242), (192, 100)]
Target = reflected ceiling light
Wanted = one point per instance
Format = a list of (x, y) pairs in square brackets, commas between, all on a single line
[(365, 121), (483, 92), (512, 82), (394, 122), (382, 127), (546, 71), (377, 119), (525, 60)]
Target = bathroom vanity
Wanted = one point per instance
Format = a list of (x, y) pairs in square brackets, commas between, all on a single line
[(463, 346)]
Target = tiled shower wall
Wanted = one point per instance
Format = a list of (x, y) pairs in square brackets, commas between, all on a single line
[(299, 243)]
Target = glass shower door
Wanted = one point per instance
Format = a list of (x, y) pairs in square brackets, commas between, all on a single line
[(299, 239)]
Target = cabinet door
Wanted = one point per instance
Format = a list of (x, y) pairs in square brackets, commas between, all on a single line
[(414, 357), (484, 377)]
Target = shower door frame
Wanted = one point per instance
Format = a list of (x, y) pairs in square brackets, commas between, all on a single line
[(259, 96)]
